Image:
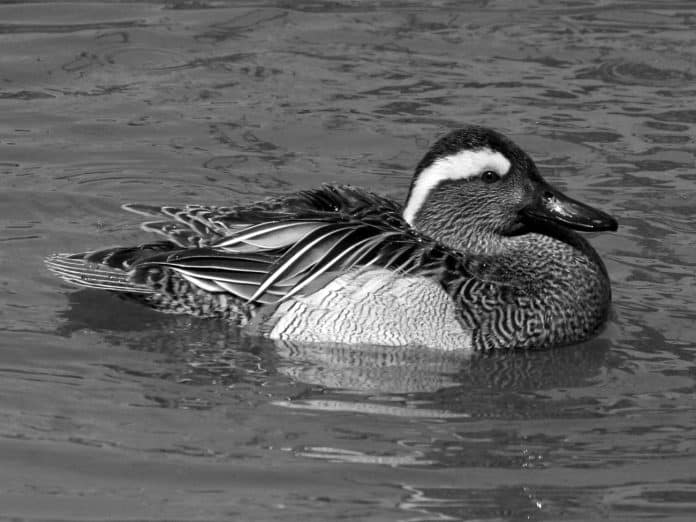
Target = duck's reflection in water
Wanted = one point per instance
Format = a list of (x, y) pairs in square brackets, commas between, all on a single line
[(370, 369)]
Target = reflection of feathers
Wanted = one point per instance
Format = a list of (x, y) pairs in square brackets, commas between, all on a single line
[(369, 368)]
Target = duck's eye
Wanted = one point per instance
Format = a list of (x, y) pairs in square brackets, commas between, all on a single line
[(490, 176)]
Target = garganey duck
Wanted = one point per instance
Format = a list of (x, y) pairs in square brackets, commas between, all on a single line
[(483, 255)]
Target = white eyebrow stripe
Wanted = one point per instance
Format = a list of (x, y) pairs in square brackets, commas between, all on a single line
[(462, 165)]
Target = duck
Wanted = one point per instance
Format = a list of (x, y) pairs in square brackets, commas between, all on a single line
[(483, 255)]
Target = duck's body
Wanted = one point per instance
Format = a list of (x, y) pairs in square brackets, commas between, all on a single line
[(457, 267)]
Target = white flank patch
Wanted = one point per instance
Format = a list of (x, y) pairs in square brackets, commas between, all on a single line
[(373, 307), (462, 165)]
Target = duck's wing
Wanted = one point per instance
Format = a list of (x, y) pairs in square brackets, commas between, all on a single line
[(273, 260), (199, 226), (262, 262), (272, 248)]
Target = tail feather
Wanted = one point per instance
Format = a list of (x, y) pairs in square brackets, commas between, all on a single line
[(123, 258), (77, 270)]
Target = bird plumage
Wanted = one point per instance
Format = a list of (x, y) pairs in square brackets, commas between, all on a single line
[(458, 247)]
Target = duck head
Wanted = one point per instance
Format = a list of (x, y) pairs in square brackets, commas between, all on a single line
[(475, 187)]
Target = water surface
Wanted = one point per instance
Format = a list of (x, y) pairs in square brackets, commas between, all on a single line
[(110, 411)]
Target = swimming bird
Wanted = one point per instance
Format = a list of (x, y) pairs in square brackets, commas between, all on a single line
[(483, 255)]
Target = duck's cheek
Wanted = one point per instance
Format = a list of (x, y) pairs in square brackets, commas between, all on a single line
[(516, 195)]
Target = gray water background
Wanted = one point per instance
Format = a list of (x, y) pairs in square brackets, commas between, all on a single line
[(110, 411)]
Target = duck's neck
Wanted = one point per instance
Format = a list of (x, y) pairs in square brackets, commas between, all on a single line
[(527, 255), (471, 240), (557, 271)]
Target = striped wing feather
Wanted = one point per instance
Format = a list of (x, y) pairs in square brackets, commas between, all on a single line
[(268, 262)]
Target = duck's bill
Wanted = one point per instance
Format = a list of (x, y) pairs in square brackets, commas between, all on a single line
[(552, 206)]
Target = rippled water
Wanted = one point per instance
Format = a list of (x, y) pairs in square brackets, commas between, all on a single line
[(110, 411)]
